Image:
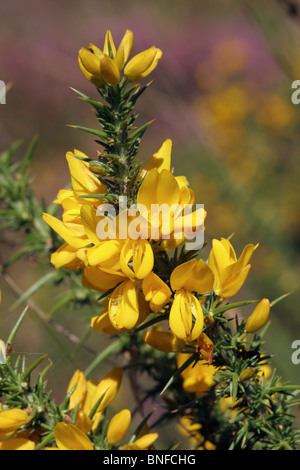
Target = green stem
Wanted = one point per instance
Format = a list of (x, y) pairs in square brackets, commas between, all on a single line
[(113, 348)]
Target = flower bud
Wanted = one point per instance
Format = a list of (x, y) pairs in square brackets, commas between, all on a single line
[(142, 64), (163, 341), (89, 65), (259, 316), (118, 426), (246, 374)]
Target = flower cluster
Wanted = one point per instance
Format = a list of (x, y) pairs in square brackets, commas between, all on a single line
[(103, 67), (125, 238)]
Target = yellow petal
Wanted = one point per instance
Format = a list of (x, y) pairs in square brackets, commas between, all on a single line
[(89, 221), (142, 64), (163, 341), (156, 291), (83, 180), (160, 159), (193, 276), (185, 308), (109, 70), (109, 46), (124, 49), (64, 255), (123, 306), (69, 437), (98, 82), (231, 281), (99, 279), (90, 62), (79, 383), (108, 388), (11, 420), (18, 443), (140, 253), (76, 240), (142, 443)]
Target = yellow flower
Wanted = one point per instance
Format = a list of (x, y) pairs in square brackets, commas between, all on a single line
[(104, 66), (139, 253), (69, 437), (103, 322), (123, 308), (259, 316), (163, 341), (190, 276), (198, 378), (118, 426), (88, 393), (166, 202), (230, 273), (205, 347), (187, 427), (156, 291)]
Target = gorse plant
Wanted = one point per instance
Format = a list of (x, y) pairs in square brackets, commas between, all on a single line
[(123, 243)]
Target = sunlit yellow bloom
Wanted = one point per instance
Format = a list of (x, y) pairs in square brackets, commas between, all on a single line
[(139, 253), (156, 291), (103, 323), (230, 273), (163, 341), (186, 315), (194, 275), (123, 305), (118, 426), (259, 316), (198, 378), (10, 421), (69, 437)]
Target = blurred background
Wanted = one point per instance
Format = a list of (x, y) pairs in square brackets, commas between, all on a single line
[(222, 93)]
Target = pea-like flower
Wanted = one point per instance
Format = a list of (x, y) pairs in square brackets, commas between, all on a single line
[(186, 315), (229, 271)]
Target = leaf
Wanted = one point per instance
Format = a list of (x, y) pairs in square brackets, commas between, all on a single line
[(224, 308), (234, 386), (35, 287), (100, 134)]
